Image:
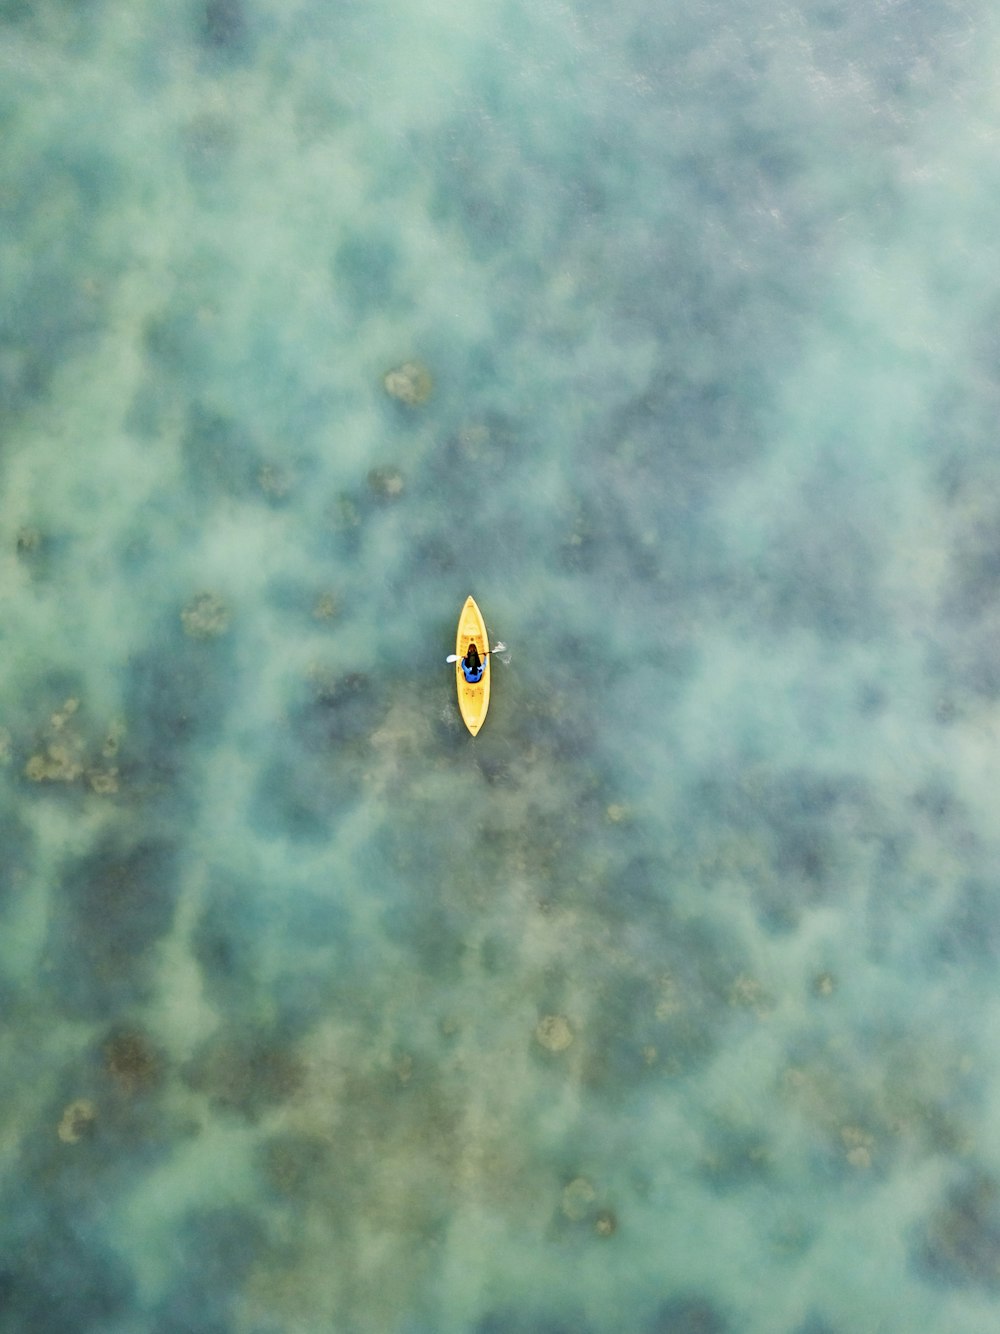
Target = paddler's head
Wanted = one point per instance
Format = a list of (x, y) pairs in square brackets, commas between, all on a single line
[(472, 657)]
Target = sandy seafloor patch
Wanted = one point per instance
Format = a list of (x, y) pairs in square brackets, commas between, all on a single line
[(668, 1004)]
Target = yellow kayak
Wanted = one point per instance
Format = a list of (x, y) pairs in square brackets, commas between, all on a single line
[(473, 699)]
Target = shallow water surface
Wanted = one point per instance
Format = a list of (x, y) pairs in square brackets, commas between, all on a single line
[(666, 1004)]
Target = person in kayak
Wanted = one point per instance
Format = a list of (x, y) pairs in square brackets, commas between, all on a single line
[(472, 665)]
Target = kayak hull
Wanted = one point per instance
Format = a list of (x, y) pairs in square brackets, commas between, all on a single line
[(473, 700)]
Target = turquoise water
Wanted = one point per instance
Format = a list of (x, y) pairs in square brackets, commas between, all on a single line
[(668, 1003)]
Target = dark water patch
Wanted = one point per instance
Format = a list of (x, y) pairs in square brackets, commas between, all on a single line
[(937, 804), (899, 52), (436, 554), (153, 405), (332, 1172), (342, 710), (245, 1070), (734, 1157), (220, 457), (920, 1106), (215, 1251), (960, 1243), (88, 1151), (558, 713), (227, 941), (535, 848), (42, 326), (59, 1275), (241, 927), (966, 671), (39, 552), (511, 1320), (872, 699), (688, 1314), (208, 142), (499, 171), (133, 1061), (433, 936), (296, 1166), (288, 803), (50, 308), (19, 843), (976, 580), (478, 453), (969, 936), (177, 696), (620, 1036), (815, 1324), (792, 835), (665, 1015), (179, 341), (365, 273), (223, 28), (325, 758), (303, 798), (317, 920), (499, 768), (388, 1107), (973, 493), (487, 210), (68, 25), (111, 908), (685, 435), (819, 573), (638, 889), (342, 535)]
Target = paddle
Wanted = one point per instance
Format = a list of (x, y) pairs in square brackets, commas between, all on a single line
[(497, 648)]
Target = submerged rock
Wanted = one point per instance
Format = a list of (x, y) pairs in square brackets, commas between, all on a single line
[(553, 1032), (325, 607), (205, 617), (410, 383), (57, 763), (132, 1061), (29, 540), (386, 483), (858, 1145), (77, 1121), (61, 756)]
